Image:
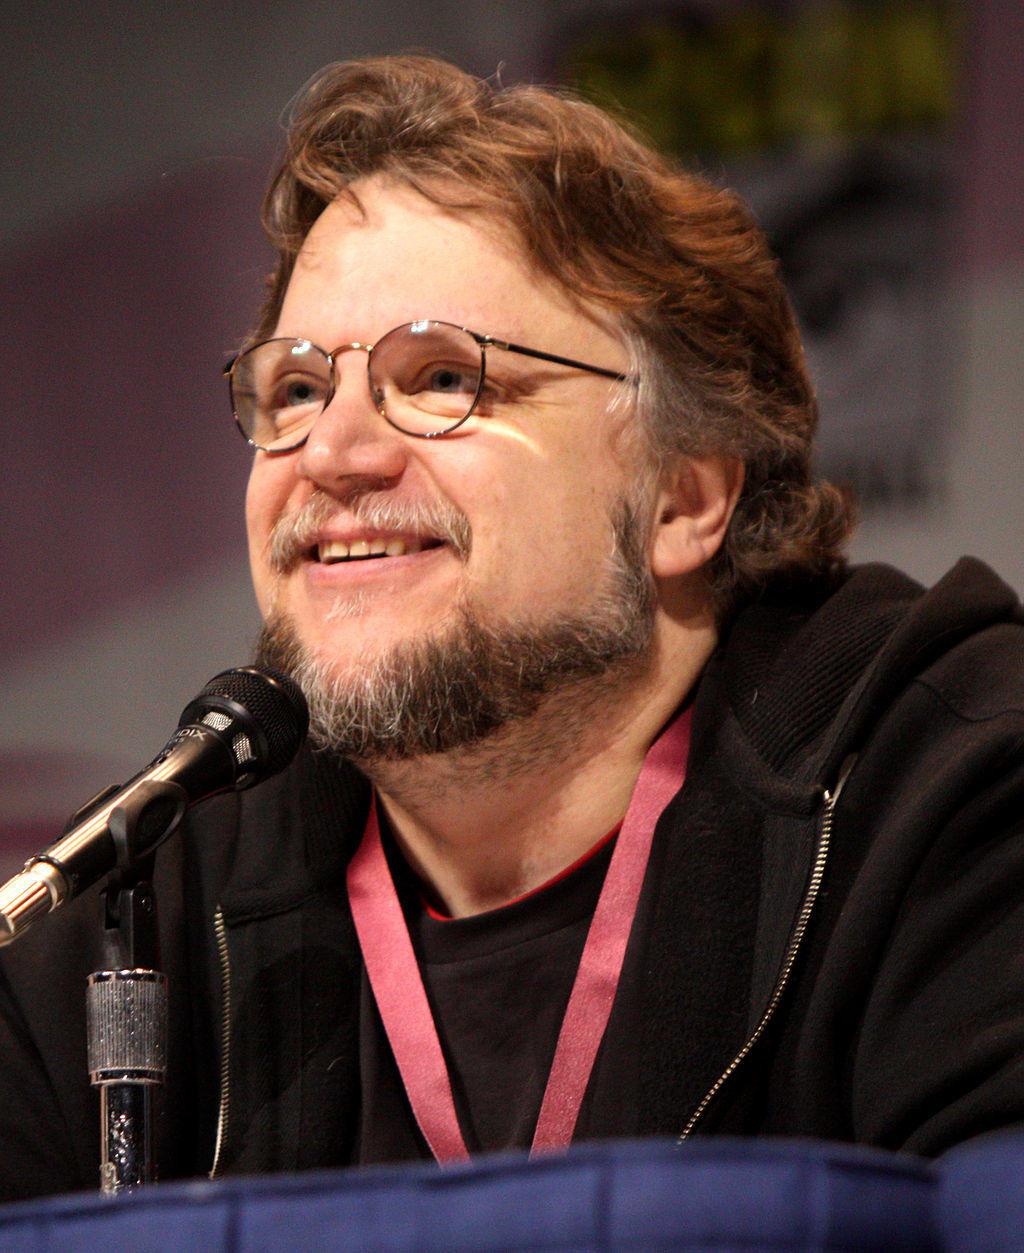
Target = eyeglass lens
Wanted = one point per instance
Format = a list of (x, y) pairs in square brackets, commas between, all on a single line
[(424, 378)]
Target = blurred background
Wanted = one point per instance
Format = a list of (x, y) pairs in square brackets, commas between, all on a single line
[(879, 142)]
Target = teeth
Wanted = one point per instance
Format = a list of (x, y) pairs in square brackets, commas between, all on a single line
[(337, 550), (399, 547)]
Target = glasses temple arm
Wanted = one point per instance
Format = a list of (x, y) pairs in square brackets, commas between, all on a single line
[(489, 341)]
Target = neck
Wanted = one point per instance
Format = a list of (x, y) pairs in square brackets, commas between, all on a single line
[(487, 824)]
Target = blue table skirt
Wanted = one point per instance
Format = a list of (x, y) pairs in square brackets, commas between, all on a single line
[(709, 1195)]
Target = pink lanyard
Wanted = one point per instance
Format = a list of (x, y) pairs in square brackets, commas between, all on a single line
[(402, 1000)]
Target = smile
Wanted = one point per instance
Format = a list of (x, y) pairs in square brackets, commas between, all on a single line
[(329, 552)]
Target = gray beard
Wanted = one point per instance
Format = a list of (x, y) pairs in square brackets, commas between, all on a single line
[(457, 689)]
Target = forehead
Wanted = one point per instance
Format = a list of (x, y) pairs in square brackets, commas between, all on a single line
[(395, 256)]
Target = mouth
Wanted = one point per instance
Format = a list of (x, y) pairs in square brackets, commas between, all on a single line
[(323, 533), (331, 552)]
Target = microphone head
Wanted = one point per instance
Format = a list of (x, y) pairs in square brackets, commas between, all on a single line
[(261, 711)]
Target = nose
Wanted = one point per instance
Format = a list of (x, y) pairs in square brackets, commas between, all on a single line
[(350, 440)]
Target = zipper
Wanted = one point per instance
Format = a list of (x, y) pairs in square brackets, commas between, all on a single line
[(221, 932), (789, 961)]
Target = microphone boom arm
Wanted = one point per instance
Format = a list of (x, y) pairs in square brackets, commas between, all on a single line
[(220, 744)]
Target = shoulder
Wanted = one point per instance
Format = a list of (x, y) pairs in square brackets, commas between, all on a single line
[(809, 673)]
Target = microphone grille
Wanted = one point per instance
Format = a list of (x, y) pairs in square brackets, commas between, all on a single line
[(271, 700)]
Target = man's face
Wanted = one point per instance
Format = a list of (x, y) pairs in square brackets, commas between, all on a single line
[(508, 521)]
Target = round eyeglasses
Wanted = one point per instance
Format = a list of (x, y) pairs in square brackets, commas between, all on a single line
[(426, 378)]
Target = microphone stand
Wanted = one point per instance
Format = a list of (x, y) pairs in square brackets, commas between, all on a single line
[(245, 725), (126, 1011)]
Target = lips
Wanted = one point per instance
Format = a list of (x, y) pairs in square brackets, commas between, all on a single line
[(327, 531), (330, 551)]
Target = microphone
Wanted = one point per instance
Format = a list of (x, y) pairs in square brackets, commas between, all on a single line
[(244, 726)]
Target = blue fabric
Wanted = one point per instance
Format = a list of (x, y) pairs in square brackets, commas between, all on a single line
[(981, 1196), (712, 1195)]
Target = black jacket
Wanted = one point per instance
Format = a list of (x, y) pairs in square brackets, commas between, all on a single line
[(830, 940)]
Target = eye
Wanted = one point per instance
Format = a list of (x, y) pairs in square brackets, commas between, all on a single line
[(294, 391), (299, 392), (449, 380), (446, 388)]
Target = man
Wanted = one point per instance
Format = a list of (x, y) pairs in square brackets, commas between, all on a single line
[(630, 810)]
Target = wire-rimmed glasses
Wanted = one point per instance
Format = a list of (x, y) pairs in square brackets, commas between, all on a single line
[(426, 378)]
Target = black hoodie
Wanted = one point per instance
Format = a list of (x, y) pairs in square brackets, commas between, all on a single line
[(829, 939)]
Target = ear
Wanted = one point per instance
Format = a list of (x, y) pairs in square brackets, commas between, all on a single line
[(694, 505)]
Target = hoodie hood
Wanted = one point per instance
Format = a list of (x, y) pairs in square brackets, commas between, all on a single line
[(803, 678)]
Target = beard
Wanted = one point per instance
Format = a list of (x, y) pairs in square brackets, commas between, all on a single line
[(458, 688)]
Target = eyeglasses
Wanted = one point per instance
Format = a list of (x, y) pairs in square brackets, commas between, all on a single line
[(426, 378)]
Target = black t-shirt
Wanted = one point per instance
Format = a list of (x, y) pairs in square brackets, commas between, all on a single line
[(498, 984)]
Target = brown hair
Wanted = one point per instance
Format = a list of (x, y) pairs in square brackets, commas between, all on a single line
[(681, 264)]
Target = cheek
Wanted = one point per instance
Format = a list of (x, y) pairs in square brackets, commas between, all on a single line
[(270, 487), (553, 533), (266, 498), (256, 510)]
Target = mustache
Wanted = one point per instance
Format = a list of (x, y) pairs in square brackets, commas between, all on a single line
[(294, 534)]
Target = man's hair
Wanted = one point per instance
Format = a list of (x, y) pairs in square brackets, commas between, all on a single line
[(681, 265)]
